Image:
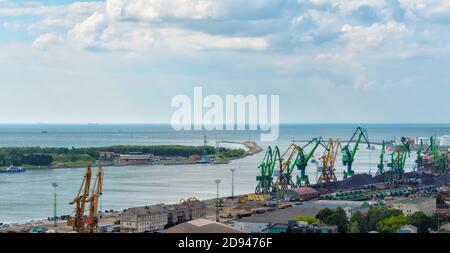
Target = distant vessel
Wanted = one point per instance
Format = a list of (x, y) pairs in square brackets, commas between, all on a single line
[(10, 169)]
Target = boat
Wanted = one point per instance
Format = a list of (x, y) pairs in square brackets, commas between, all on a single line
[(13, 170)]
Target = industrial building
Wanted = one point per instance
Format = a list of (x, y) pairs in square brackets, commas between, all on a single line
[(158, 217), (298, 194), (410, 206), (136, 159), (144, 219), (196, 208)]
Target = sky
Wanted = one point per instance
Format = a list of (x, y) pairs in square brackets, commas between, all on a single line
[(122, 61)]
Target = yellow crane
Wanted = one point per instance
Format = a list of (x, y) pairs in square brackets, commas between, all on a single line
[(79, 221), (328, 161), (286, 168)]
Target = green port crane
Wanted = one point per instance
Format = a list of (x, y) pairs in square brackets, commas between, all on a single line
[(398, 158), (301, 162), (380, 166), (419, 164), (266, 168), (286, 168), (348, 154), (439, 158)]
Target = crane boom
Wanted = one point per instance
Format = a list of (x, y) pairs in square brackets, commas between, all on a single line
[(328, 161), (80, 201), (284, 180), (398, 158), (380, 166), (266, 169), (349, 153), (97, 190), (302, 160)]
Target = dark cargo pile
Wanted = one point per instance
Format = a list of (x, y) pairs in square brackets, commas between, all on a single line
[(355, 181)]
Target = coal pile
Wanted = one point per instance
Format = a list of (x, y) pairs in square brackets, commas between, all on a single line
[(355, 181), (441, 180)]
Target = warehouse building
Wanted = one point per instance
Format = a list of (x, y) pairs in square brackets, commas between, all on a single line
[(136, 159), (144, 219), (298, 194), (410, 206), (197, 209)]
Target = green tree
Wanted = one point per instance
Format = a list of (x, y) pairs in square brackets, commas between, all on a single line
[(323, 214), (421, 221), (354, 227), (336, 217), (339, 218), (361, 220), (392, 224), (378, 213)]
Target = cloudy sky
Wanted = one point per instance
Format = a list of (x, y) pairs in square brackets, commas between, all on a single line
[(121, 61)]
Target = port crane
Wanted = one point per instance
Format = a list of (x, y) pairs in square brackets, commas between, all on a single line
[(89, 224), (398, 158), (266, 169), (439, 158), (328, 161), (286, 167), (380, 166), (349, 153), (419, 160), (303, 158)]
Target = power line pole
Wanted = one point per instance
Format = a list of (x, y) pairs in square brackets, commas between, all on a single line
[(54, 204), (217, 181)]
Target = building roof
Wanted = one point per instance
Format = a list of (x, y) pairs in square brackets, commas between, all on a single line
[(146, 210), (194, 204), (413, 201), (136, 157), (300, 191), (202, 226), (281, 216), (339, 203)]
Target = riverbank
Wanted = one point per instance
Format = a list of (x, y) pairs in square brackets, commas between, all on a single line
[(59, 158)]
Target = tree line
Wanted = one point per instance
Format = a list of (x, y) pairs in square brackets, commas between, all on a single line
[(43, 156), (378, 218)]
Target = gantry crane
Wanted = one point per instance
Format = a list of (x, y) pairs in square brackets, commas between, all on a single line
[(84, 196), (398, 158), (380, 166), (328, 161), (348, 153), (302, 160), (266, 169), (286, 167)]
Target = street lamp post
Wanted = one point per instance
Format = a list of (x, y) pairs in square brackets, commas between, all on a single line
[(217, 181), (54, 204), (232, 182)]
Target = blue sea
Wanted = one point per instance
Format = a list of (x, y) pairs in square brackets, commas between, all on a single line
[(29, 195)]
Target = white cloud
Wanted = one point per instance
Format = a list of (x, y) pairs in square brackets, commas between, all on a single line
[(362, 83), (45, 40), (76, 8), (154, 9), (89, 31), (350, 5), (376, 34), (426, 8)]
